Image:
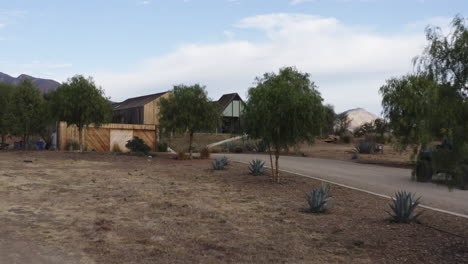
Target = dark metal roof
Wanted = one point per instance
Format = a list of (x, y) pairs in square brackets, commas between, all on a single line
[(138, 101), (226, 99)]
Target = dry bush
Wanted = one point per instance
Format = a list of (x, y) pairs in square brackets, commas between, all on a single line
[(181, 155), (116, 148), (205, 153)]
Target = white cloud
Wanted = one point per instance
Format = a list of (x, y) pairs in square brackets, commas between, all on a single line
[(2, 26), (145, 2), (347, 63)]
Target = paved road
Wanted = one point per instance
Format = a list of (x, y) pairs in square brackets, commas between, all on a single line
[(378, 179)]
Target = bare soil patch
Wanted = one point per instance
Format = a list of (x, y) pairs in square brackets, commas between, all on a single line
[(105, 208)]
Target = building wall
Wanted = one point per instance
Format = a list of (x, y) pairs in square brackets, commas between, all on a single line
[(151, 111), (128, 116)]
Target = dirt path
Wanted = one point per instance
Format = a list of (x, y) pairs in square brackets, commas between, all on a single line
[(382, 180), (16, 250)]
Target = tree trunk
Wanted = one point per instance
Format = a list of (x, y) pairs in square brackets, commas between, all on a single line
[(190, 145), (271, 162), (3, 141), (277, 155)]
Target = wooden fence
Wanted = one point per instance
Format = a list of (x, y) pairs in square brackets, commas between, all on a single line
[(106, 136)]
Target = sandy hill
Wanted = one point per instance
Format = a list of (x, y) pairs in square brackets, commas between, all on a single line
[(359, 116)]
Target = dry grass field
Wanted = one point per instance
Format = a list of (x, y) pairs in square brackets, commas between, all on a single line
[(181, 142), (341, 151), (105, 208)]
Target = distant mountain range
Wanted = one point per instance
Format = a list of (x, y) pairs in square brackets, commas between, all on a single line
[(45, 85), (359, 116)]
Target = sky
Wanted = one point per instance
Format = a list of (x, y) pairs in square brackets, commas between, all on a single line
[(138, 47)]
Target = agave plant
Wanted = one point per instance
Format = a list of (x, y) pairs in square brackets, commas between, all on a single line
[(218, 164), (318, 199), (365, 147), (256, 167), (403, 207)]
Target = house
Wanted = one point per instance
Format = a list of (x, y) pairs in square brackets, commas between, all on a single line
[(232, 106), (142, 110)]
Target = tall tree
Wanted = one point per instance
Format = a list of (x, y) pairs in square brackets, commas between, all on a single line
[(188, 110), (26, 110), (284, 109), (80, 102), (5, 97), (432, 105), (342, 123)]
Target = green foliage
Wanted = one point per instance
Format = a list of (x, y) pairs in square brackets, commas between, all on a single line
[(256, 167), (342, 123), (27, 111), (261, 146), (318, 199), (138, 145), (79, 102), (188, 109), (365, 147), (5, 98), (329, 121), (205, 153), (225, 161), (162, 147), (403, 207), (284, 109), (433, 105)]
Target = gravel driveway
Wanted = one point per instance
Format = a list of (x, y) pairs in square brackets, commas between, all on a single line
[(378, 179)]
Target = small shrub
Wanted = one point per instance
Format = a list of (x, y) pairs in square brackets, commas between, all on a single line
[(205, 153), (226, 161), (238, 149), (347, 139), (116, 148), (256, 167), (181, 155), (403, 207), (162, 147), (219, 164), (250, 146), (138, 145), (261, 146), (365, 147), (355, 155), (230, 146), (318, 199), (73, 145)]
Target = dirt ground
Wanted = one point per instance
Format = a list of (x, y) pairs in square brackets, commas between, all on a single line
[(340, 151), (106, 208)]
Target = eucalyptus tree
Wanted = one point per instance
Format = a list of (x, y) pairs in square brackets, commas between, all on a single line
[(284, 109), (188, 110)]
